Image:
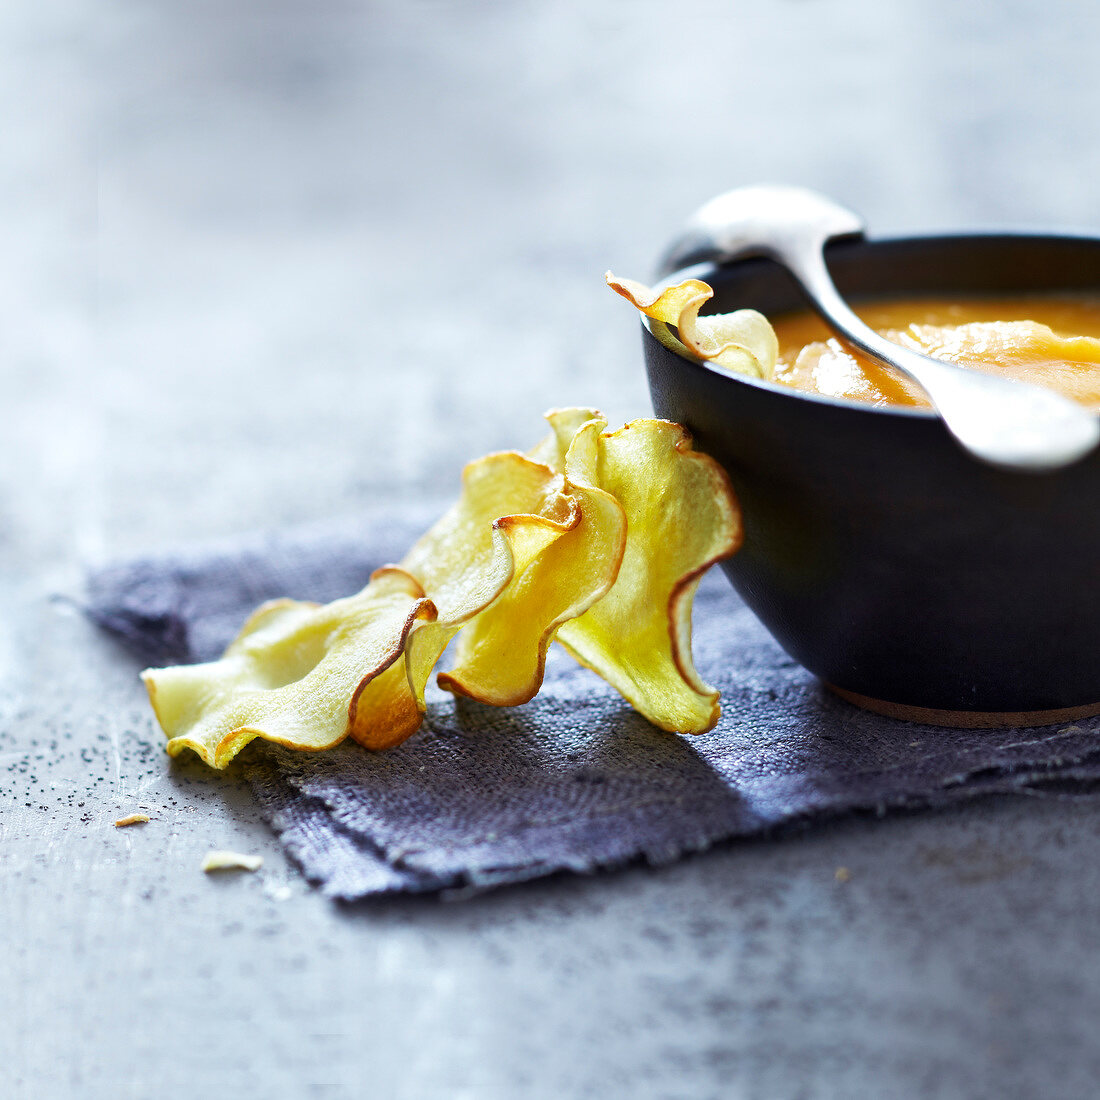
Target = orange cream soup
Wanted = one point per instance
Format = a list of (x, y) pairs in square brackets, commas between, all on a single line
[(1052, 341)]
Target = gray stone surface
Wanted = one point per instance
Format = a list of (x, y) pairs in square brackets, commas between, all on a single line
[(268, 263)]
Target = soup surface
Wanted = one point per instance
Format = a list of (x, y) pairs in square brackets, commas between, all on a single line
[(1051, 341)]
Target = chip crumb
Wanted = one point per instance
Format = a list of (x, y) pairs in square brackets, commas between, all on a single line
[(218, 860), (842, 874), (131, 819)]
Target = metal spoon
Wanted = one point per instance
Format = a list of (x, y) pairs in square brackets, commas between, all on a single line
[(1000, 421)]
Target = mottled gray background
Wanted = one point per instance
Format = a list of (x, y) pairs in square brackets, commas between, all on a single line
[(263, 264)]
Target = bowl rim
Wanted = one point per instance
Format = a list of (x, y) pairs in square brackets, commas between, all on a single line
[(699, 271)]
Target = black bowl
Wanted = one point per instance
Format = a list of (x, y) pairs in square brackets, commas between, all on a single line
[(904, 573)]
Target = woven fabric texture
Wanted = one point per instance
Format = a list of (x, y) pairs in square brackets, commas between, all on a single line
[(573, 780)]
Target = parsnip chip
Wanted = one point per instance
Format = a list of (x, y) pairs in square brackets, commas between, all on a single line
[(511, 510), (564, 425), (743, 341), (501, 655), (306, 676), (681, 518), (596, 537), (293, 674)]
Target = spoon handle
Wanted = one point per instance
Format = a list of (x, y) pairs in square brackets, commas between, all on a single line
[(1002, 421)]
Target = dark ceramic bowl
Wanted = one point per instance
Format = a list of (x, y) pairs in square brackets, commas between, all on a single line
[(908, 576)]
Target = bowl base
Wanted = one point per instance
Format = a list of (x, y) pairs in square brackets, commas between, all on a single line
[(967, 719)]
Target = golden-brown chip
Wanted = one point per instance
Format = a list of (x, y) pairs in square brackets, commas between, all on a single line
[(596, 537), (291, 675), (306, 676), (742, 341), (501, 654), (470, 562), (681, 518)]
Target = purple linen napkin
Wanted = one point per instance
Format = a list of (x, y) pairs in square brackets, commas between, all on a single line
[(573, 780)]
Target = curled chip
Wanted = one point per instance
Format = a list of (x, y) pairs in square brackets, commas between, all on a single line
[(597, 538), (293, 675), (681, 518), (510, 512), (501, 655), (742, 341)]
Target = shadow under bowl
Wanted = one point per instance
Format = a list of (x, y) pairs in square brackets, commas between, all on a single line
[(911, 578)]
